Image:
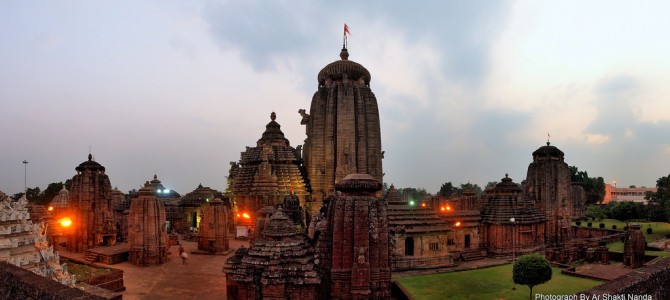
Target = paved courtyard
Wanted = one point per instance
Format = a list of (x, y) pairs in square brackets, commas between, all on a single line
[(201, 278)]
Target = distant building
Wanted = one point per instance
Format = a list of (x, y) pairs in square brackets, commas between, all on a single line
[(613, 193)]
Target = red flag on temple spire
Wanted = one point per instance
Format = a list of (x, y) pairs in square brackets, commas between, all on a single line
[(346, 34)]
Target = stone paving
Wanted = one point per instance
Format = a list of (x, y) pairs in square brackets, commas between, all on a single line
[(201, 278)]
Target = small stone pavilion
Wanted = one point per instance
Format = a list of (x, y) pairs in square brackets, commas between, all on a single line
[(634, 247), (502, 237), (268, 172), (280, 264), (90, 208), (418, 234), (213, 233), (354, 247), (146, 229)]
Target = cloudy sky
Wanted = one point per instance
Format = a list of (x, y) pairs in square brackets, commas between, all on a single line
[(467, 90)]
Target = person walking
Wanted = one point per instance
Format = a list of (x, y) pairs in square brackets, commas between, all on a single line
[(184, 257)]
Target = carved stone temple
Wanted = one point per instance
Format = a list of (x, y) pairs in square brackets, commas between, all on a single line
[(280, 264), (146, 229), (268, 172), (354, 247), (500, 236), (343, 130), (213, 233), (90, 205), (419, 235), (548, 186)]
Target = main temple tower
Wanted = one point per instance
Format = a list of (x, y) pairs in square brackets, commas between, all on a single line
[(343, 131), (548, 185)]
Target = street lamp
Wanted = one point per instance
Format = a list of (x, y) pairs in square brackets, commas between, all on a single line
[(513, 246)]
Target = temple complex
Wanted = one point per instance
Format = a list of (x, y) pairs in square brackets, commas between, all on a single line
[(354, 246), (90, 208), (511, 224), (280, 264), (343, 129), (548, 186), (146, 229), (268, 172), (213, 233), (419, 235)]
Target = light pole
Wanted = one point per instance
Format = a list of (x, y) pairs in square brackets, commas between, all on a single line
[(513, 247), (25, 176)]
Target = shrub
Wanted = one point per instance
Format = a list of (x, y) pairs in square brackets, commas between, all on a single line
[(589, 224), (614, 226), (649, 230), (579, 223), (602, 243), (601, 225)]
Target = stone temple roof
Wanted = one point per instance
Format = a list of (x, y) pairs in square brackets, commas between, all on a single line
[(336, 70), (199, 196), (506, 201), (280, 255), (90, 165), (548, 151), (403, 217), (273, 134)]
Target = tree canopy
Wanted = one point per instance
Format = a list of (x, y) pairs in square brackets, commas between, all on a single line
[(658, 205), (531, 270), (446, 189), (626, 210), (593, 186)]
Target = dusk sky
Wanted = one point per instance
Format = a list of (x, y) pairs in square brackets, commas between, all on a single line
[(467, 90)]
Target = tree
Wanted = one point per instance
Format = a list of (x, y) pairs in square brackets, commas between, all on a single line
[(625, 210), (595, 212), (490, 184), (658, 203), (593, 186), (446, 189), (531, 270), (469, 186)]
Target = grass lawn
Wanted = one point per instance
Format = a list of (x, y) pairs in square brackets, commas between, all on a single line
[(84, 272), (489, 283), (659, 230)]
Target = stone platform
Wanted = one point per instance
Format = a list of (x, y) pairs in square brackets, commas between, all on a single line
[(108, 255)]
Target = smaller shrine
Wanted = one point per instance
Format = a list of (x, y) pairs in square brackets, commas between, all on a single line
[(634, 247), (146, 229), (419, 235), (463, 214), (213, 233), (511, 224), (280, 264)]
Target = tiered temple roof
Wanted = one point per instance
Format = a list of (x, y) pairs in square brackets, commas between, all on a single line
[(200, 196), (268, 172), (403, 217), (280, 259), (505, 201)]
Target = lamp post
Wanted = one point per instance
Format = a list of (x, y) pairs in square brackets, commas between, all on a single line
[(25, 176), (513, 246)]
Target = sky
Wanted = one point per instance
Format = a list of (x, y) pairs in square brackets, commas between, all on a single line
[(467, 90)]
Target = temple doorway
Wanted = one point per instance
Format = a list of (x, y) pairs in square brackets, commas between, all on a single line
[(467, 241), (194, 219), (409, 246)]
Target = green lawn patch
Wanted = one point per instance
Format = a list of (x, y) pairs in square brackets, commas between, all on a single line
[(84, 272), (488, 283)]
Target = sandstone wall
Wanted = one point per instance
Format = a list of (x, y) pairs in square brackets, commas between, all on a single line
[(651, 280)]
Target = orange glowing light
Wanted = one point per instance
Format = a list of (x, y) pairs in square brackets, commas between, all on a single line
[(238, 215), (448, 207), (457, 224), (246, 215), (423, 204), (65, 222), (51, 208), (442, 208)]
